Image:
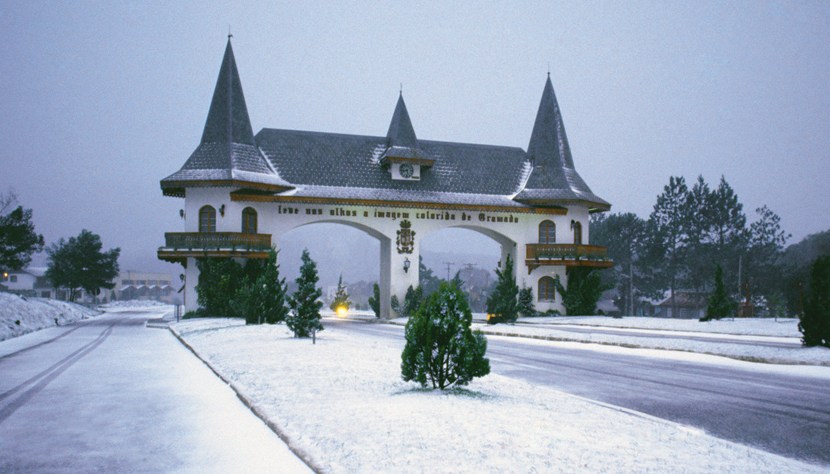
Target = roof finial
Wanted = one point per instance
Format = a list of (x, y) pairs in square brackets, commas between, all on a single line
[(401, 91), (548, 69), (229, 32)]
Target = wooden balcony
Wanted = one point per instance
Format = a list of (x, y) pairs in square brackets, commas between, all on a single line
[(178, 246), (569, 255)]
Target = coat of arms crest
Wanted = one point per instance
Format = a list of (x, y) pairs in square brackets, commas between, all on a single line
[(406, 237)]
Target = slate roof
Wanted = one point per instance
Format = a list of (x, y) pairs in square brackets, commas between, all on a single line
[(330, 165), (311, 160), (554, 177), (227, 153)]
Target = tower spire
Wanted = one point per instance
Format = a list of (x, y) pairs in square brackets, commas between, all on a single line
[(227, 120)]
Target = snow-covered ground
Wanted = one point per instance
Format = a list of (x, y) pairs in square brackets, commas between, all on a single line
[(740, 326), (20, 315), (342, 404)]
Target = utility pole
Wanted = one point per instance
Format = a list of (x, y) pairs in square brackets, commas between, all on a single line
[(448, 264)]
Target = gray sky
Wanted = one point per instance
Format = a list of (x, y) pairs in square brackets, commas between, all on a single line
[(100, 100)]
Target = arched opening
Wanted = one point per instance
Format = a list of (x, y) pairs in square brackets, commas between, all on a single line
[(547, 289), (470, 252), (338, 248), (547, 232), (207, 219), (577, 233), (249, 221)]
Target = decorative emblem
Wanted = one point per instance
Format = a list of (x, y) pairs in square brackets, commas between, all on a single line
[(406, 237)]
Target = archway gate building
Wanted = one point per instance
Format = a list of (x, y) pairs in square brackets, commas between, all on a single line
[(243, 191)]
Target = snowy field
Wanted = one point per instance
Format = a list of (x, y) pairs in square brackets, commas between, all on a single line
[(20, 316), (342, 405)]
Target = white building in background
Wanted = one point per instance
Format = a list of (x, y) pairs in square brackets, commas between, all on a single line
[(242, 192), (129, 285)]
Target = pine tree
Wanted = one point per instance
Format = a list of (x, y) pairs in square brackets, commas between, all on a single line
[(584, 290), (525, 302), (261, 299), (440, 347), (412, 300), (457, 281), (502, 305), (341, 297), (374, 300), (720, 305), (18, 239), (815, 323), (80, 263), (305, 317)]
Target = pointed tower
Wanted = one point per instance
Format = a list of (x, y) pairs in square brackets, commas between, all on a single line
[(228, 154), (404, 156), (553, 180)]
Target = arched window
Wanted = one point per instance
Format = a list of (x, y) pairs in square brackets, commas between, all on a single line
[(547, 232), (547, 289), (578, 233), (249, 223), (207, 219)]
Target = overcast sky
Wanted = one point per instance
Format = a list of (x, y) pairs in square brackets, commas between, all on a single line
[(101, 100)]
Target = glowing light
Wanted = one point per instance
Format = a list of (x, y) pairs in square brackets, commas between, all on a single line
[(342, 311)]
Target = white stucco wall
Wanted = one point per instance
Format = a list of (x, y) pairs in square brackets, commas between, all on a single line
[(511, 230)]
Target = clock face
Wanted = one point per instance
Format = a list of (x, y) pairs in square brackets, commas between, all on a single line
[(406, 170)]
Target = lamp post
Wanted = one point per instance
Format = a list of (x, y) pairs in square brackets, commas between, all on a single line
[(406, 265)]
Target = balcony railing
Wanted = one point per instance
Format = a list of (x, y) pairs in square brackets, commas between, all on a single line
[(217, 241), (567, 254)]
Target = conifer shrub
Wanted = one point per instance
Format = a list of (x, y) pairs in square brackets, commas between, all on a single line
[(720, 305), (815, 322), (374, 300), (305, 304), (261, 298), (441, 350), (502, 305)]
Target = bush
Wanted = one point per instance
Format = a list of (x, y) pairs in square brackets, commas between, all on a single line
[(502, 305), (815, 322), (374, 300), (720, 305), (305, 303), (440, 347)]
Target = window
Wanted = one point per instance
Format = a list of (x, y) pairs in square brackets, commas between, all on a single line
[(547, 289), (547, 232), (13, 278), (249, 223), (577, 233), (207, 219)]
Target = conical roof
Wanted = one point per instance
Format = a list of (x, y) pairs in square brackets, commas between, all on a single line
[(553, 178), (227, 154), (403, 144)]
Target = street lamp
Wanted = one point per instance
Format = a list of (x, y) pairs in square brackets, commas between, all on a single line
[(406, 265)]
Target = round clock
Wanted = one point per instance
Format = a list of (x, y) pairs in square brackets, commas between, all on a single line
[(406, 170)]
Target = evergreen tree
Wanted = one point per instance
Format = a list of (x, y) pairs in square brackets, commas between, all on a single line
[(374, 300), (426, 278), (305, 317), (766, 246), (584, 290), (525, 305), (80, 263), (815, 323), (720, 305), (220, 279), (396, 305), (502, 305), (667, 237), (262, 300), (18, 239), (457, 281), (440, 347), (411, 301), (624, 235), (341, 297)]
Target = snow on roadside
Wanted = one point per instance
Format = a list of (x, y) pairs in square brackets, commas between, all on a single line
[(342, 401), (20, 315), (740, 326), (673, 341)]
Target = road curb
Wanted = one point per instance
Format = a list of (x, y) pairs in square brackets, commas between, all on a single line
[(281, 434)]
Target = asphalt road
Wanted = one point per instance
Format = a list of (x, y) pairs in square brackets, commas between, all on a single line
[(109, 395), (784, 414)]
